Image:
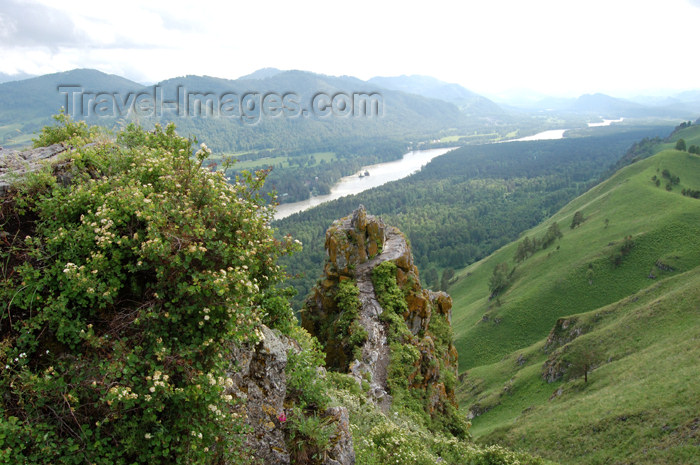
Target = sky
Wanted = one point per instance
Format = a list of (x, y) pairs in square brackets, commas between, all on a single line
[(494, 47)]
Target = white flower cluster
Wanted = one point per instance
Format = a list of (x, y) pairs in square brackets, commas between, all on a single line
[(103, 236), (159, 380), (121, 393)]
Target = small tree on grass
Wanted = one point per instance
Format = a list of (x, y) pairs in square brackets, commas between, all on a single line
[(447, 275), (520, 253), (499, 279), (680, 145), (553, 233), (577, 219), (525, 248), (583, 362)]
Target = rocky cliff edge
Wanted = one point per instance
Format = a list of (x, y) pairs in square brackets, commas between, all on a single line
[(358, 336)]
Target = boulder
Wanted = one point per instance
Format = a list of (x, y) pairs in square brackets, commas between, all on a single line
[(15, 164)]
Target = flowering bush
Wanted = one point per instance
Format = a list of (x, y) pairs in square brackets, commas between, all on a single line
[(402, 437), (127, 274), (74, 133)]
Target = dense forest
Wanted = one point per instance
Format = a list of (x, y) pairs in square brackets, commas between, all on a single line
[(467, 203)]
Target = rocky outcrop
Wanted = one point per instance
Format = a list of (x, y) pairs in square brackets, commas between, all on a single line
[(16, 164), (555, 367), (564, 331), (356, 245), (259, 381)]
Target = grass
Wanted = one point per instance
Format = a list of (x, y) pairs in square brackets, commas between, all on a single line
[(638, 407), (11, 135), (279, 161), (646, 329), (691, 135), (457, 138)]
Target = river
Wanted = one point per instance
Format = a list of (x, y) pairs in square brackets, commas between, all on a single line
[(552, 134), (379, 174), (383, 173), (606, 122)]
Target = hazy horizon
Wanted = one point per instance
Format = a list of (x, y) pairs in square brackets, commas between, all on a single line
[(559, 49)]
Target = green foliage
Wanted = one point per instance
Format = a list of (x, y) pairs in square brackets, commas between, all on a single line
[(447, 275), (638, 151), (392, 300), (403, 359), (401, 437), (553, 233), (123, 293), (525, 249), (583, 361), (304, 385), (441, 332), (348, 302), (358, 335), (408, 362), (74, 133), (691, 193), (618, 255), (308, 432), (672, 180), (431, 278), (500, 278), (577, 219), (309, 437), (680, 145), (340, 333)]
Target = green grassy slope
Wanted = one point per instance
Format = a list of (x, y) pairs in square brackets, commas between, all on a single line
[(691, 136), (640, 318), (641, 403), (555, 282)]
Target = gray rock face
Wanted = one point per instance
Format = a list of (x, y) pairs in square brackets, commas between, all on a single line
[(342, 452), (375, 351), (259, 378), (16, 164)]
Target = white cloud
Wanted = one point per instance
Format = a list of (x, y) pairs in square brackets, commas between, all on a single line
[(547, 45)]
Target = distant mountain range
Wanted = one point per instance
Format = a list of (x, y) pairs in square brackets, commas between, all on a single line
[(26, 105), (39, 97), (469, 102), (683, 105), (412, 107)]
